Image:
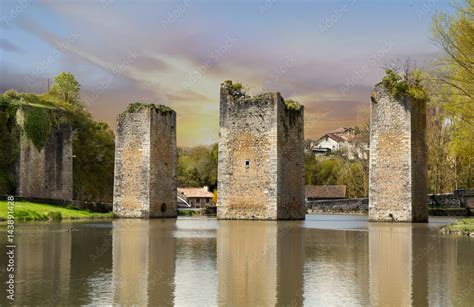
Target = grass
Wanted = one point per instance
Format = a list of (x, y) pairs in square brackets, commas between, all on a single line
[(188, 212), (26, 211), (461, 226)]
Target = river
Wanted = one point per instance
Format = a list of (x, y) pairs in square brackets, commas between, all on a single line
[(327, 260)]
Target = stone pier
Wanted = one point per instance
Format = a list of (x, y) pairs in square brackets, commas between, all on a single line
[(397, 177), (45, 171), (261, 156), (145, 162)]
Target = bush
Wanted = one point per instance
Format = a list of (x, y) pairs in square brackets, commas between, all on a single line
[(11, 94), (235, 89), (54, 216), (292, 105), (409, 84)]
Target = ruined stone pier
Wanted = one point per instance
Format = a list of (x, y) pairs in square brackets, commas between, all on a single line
[(261, 156), (397, 176), (45, 171), (145, 162)]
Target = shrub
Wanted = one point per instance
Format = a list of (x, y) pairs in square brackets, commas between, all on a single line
[(292, 105), (54, 216), (11, 94), (235, 89), (409, 84)]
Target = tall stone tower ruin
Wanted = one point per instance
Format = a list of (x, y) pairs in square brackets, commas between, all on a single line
[(261, 156), (145, 162), (397, 177)]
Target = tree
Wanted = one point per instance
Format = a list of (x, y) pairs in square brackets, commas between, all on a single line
[(66, 87), (197, 166), (455, 35), (455, 73)]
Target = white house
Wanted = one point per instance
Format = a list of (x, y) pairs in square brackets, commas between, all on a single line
[(340, 140)]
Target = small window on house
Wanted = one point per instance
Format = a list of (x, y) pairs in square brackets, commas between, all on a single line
[(247, 163), (207, 200)]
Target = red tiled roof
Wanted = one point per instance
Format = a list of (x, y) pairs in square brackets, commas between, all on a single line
[(325, 191), (336, 137)]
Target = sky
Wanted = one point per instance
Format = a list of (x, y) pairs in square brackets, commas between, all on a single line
[(325, 54)]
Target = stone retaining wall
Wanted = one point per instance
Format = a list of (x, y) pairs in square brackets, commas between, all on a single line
[(458, 203), (346, 206)]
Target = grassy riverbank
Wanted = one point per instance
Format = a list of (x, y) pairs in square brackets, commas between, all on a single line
[(25, 211), (461, 226)]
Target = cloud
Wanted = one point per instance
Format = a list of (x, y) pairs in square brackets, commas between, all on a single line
[(8, 46), (122, 53)]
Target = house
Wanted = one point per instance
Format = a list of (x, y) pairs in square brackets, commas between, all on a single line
[(195, 197), (321, 192), (343, 140)]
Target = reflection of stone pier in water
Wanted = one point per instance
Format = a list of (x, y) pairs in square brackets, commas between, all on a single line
[(261, 157), (145, 162), (260, 263), (144, 262), (397, 180), (398, 265), (43, 257)]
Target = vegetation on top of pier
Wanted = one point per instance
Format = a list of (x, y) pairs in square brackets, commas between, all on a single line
[(41, 114), (292, 105), (137, 106), (409, 84), (236, 90)]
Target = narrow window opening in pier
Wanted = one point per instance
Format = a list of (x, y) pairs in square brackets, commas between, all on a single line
[(247, 163), (163, 207)]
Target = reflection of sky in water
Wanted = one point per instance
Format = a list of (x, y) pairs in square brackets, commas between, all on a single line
[(325, 260)]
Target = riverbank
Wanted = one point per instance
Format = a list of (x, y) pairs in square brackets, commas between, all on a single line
[(26, 211), (461, 227)]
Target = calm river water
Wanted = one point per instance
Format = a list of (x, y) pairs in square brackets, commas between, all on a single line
[(326, 260)]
